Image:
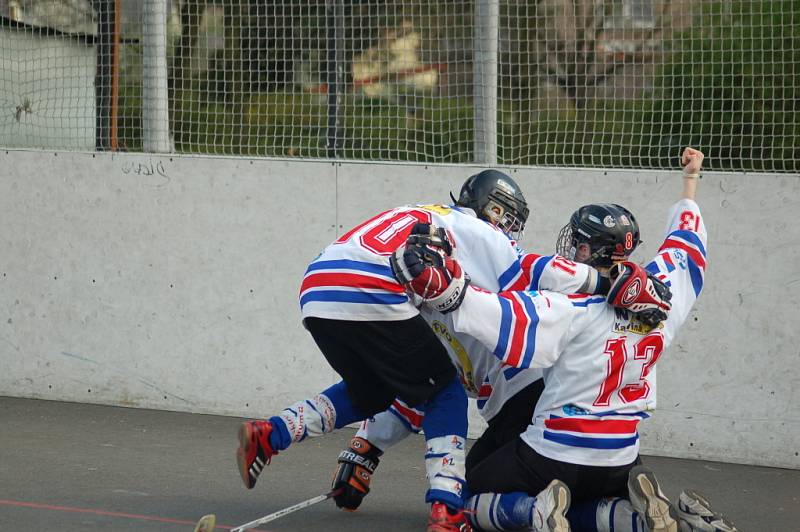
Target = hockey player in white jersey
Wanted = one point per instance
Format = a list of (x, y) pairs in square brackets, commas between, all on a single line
[(483, 377), (506, 398), (371, 333), (599, 369)]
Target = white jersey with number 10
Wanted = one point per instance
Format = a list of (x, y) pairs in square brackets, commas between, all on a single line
[(352, 280)]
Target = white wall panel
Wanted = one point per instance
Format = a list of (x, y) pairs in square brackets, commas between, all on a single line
[(172, 283), (160, 282)]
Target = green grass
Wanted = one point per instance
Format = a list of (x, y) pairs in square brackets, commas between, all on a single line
[(738, 131)]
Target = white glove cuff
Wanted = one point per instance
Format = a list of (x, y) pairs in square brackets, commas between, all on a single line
[(451, 297)]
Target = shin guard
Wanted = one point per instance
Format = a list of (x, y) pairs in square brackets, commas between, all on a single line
[(309, 418), (445, 426), (444, 465)]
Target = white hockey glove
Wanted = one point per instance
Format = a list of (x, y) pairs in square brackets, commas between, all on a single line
[(635, 289)]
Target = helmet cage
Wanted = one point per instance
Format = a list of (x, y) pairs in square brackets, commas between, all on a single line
[(566, 245), (504, 216)]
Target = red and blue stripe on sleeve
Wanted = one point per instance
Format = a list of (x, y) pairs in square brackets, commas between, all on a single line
[(516, 343), (524, 274), (690, 243)]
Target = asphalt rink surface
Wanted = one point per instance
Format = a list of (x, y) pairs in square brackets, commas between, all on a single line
[(72, 467)]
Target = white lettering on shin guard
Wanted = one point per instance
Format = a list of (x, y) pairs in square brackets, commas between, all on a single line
[(309, 418), (444, 463)]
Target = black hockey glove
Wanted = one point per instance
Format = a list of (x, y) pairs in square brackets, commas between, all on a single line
[(429, 235), (357, 463)]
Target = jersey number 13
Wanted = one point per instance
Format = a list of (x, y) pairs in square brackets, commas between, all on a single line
[(645, 354)]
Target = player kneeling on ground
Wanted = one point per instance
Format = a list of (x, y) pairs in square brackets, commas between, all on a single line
[(583, 441)]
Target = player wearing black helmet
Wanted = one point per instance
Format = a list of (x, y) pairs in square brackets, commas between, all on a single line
[(599, 234), (604, 235), (497, 199), (599, 378)]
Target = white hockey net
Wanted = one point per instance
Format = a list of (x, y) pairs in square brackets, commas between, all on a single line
[(583, 83)]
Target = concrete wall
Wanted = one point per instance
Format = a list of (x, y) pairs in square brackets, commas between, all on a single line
[(172, 283)]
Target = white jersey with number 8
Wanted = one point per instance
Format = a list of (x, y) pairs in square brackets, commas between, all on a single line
[(598, 363)]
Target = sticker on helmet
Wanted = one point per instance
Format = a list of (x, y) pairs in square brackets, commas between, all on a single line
[(505, 187), (609, 221), (624, 220)]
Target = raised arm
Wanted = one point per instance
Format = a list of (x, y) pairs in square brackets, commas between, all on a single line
[(692, 162)]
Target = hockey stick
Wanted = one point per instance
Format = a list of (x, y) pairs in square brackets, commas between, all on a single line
[(285, 511)]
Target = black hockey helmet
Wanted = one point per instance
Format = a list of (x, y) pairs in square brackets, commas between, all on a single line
[(610, 230), (497, 199)]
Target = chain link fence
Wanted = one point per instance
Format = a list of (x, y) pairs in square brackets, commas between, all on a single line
[(575, 83)]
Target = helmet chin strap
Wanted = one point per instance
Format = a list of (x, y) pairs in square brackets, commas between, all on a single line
[(593, 258), (604, 269)]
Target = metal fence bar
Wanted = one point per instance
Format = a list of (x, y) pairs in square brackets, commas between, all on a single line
[(155, 106), (335, 67), (487, 15), (106, 48)]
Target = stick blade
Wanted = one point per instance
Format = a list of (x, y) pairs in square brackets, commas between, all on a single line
[(206, 523)]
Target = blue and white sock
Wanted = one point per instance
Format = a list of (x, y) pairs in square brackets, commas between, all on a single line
[(610, 514), (496, 511), (330, 409), (445, 426)]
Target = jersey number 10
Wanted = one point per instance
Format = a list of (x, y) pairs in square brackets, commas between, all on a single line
[(386, 232)]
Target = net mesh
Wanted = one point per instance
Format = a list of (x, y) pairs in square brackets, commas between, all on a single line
[(580, 83)]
